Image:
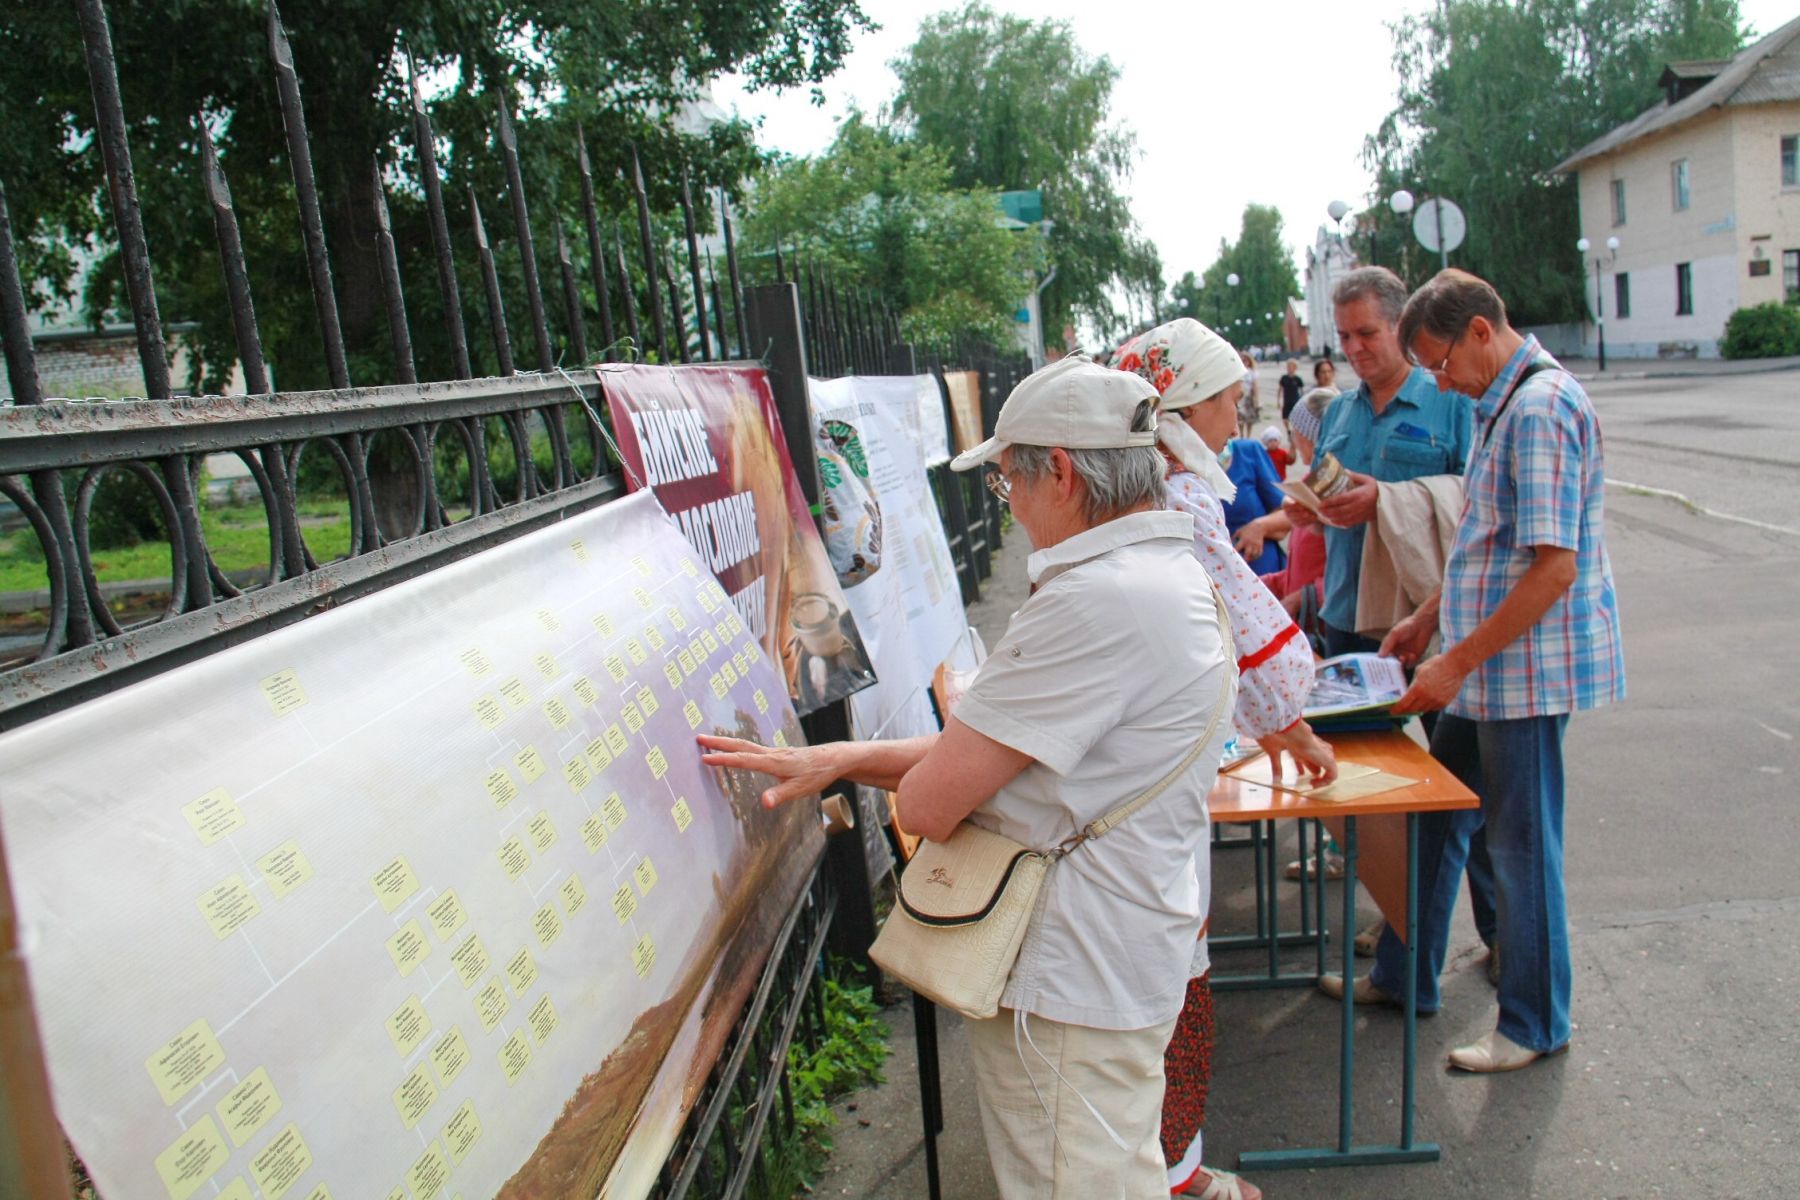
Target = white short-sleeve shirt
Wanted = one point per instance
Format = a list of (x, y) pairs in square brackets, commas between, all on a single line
[(1107, 676)]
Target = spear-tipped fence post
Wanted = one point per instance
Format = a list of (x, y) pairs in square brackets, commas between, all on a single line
[(388, 260), (596, 256), (651, 268), (571, 300), (731, 265), (449, 291), (693, 249), (515, 186), (490, 280)]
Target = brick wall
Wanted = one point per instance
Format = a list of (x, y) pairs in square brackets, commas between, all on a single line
[(78, 368)]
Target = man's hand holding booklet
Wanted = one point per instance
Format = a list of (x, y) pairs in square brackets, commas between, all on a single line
[(1355, 685)]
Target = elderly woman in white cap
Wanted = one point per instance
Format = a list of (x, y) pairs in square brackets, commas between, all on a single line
[(1199, 380), (1110, 680)]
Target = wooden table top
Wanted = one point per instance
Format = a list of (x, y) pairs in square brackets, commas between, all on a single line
[(1237, 800)]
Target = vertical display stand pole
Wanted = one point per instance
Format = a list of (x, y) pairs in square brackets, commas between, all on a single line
[(778, 339)]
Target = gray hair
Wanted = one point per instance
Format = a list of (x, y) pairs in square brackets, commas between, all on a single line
[(1117, 480), (1376, 283)]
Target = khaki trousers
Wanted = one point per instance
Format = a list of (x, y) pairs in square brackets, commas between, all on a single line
[(1045, 1144)]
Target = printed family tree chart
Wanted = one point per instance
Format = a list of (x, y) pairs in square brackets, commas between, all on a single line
[(427, 895)]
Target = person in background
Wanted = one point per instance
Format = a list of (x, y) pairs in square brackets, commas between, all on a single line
[(1298, 583), (1270, 437), (1249, 407), (1254, 515), (1325, 374), (1107, 680), (1291, 387), (1530, 626)]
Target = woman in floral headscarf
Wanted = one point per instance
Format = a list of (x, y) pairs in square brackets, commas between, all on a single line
[(1200, 380)]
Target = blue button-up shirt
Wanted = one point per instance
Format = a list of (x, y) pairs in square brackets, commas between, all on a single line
[(1422, 431), (1536, 480)]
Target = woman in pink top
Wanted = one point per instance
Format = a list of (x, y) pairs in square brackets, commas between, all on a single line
[(1306, 543), (1200, 381)]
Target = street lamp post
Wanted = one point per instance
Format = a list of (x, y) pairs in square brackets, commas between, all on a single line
[(1232, 281), (1612, 252), (1402, 203)]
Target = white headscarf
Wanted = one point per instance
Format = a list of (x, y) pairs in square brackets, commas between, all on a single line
[(1186, 363)]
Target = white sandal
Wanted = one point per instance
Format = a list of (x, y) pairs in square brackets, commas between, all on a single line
[(1222, 1185)]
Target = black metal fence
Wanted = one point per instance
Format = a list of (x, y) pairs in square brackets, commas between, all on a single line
[(430, 472)]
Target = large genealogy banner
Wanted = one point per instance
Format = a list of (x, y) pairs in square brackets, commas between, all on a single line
[(708, 441), (429, 895)]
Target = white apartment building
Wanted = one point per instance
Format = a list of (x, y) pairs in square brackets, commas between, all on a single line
[(1703, 194)]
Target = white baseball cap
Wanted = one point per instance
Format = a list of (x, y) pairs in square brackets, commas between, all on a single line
[(1074, 403)]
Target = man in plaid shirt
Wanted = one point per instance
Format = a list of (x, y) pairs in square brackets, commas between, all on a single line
[(1530, 627)]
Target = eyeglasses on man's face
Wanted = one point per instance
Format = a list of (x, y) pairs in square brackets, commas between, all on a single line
[(999, 484), (1443, 364)]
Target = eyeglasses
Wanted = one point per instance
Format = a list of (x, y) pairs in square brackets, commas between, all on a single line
[(999, 484), (1445, 362)]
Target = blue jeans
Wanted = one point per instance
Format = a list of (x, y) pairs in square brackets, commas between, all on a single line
[(1481, 868), (1516, 768)]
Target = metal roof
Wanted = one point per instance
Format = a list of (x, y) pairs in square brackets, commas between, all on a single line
[(1766, 72)]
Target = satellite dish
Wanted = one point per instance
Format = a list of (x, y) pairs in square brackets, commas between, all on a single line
[(1425, 225)]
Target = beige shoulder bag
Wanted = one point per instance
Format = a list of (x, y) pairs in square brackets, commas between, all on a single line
[(964, 904)]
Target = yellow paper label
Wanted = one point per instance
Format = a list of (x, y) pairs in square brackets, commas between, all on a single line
[(762, 701), (593, 833), (427, 1175), (676, 620), (574, 896), (409, 948), (697, 648), (643, 956), (249, 1106), (654, 636), (449, 1057), (641, 565), (634, 720), (213, 816), (718, 684), (475, 662), (192, 1159), (542, 1019), (780, 738), (688, 568), (228, 906), (613, 809), (753, 652), (394, 884), (642, 597), (546, 666), (407, 1027), (712, 643), (706, 600), (579, 549), (237, 1189), (684, 816), (728, 672), (659, 762), (546, 925), (514, 858), (521, 972), (461, 1132), (470, 959), (283, 692), (488, 711), (586, 692), (530, 763), (576, 774), (446, 915), (491, 1003), (598, 756), (548, 620), (615, 740), (685, 657), (604, 624), (184, 1060), (543, 833), (672, 672), (645, 874), (414, 1095), (515, 1055), (691, 711), (281, 1163), (557, 712), (615, 666), (515, 693), (624, 903), (741, 664), (285, 868), (501, 787)]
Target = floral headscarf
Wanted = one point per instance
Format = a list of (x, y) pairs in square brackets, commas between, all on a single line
[(1186, 363)]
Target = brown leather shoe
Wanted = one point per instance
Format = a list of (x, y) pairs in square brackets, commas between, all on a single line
[(1494, 1052)]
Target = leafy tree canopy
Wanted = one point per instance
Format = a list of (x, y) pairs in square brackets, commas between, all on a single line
[(878, 211), (1266, 280), (1017, 104), (620, 68), (1493, 94)]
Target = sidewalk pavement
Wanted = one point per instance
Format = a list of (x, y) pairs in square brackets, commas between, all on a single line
[(1587, 369)]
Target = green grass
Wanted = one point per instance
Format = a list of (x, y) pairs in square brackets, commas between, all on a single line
[(237, 535)]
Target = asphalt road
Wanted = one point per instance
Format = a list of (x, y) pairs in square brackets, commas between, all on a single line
[(1684, 895)]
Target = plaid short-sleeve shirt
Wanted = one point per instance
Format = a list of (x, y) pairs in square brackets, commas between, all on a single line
[(1535, 478)]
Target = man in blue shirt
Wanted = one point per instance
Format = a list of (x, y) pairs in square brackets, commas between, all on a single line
[(1395, 426)]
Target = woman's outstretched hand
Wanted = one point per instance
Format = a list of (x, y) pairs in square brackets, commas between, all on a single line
[(797, 770)]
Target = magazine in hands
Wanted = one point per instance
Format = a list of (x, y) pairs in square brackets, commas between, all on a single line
[(1359, 685)]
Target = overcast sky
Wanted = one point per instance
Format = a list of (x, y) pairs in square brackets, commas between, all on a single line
[(1231, 103)]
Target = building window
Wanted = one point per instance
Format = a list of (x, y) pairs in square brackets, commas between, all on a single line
[(1684, 289), (1790, 160), (1618, 197), (1678, 183), (1790, 274), (1622, 294)]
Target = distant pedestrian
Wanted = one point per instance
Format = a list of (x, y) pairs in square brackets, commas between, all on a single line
[(1249, 408), (1324, 373), (1291, 387)]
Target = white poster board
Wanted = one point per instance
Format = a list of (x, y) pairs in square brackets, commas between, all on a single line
[(910, 609), (427, 895)]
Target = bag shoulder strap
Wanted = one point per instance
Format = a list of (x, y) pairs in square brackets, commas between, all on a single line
[(1111, 820)]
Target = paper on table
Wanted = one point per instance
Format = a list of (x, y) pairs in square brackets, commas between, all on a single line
[(1360, 787), (1293, 779)]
